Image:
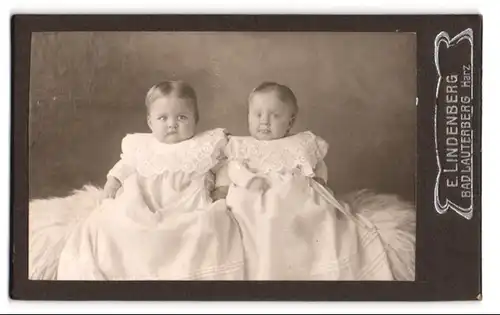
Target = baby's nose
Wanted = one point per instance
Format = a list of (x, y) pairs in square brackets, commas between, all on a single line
[(171, 124), (264, 120)]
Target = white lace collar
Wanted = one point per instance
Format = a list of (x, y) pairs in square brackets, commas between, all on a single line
[(196, 155), (300, 151)]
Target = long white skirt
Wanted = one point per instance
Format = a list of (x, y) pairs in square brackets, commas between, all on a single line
[(52, 221)]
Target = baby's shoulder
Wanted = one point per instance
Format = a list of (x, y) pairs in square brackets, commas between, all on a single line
[(312, 142), (306, 135)]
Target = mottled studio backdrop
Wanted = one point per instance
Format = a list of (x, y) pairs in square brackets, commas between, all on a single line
[(357, 90)]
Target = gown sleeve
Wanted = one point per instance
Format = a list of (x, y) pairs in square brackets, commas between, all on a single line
[(126, 165)]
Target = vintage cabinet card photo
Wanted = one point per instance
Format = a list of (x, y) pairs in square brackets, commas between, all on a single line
[(265, 157)]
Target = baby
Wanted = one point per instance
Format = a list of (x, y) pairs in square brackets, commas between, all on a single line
[(172, 118), (293, 228), (272, 112), (165, 225)]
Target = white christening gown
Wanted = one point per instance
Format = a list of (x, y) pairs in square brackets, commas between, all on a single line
[(297, 230), (164, 225)]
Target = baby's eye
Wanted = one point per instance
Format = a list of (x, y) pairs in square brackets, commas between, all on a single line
[(182, 117), (162, 118)]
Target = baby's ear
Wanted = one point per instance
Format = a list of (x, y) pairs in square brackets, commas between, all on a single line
[(292, 120), (148, 119)]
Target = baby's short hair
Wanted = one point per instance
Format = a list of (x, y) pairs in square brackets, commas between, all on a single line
[(179, 89), (284, 93)]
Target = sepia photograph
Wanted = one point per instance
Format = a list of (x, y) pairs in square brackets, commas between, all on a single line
[(245, 156)]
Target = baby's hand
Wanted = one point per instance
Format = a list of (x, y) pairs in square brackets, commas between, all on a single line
[(258, 184), (111, 187)]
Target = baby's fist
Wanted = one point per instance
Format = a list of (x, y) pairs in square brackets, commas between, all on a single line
[(111, 188)]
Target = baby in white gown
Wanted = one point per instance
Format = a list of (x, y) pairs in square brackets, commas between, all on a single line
[(166, 223), (293, 228)]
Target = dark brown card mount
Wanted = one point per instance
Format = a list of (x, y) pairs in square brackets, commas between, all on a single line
[(448, 162)]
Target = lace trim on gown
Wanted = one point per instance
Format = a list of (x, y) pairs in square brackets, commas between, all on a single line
[(196, 155), (300, 151)]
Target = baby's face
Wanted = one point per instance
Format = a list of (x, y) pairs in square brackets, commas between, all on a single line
[(171, 119), (269, 118)]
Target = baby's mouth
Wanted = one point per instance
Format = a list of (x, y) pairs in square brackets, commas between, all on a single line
[(170, 134), (266, 131)]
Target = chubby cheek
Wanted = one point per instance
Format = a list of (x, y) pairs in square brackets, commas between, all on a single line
[(279, 128), (187, 129), (253, 123), (156, 126)]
